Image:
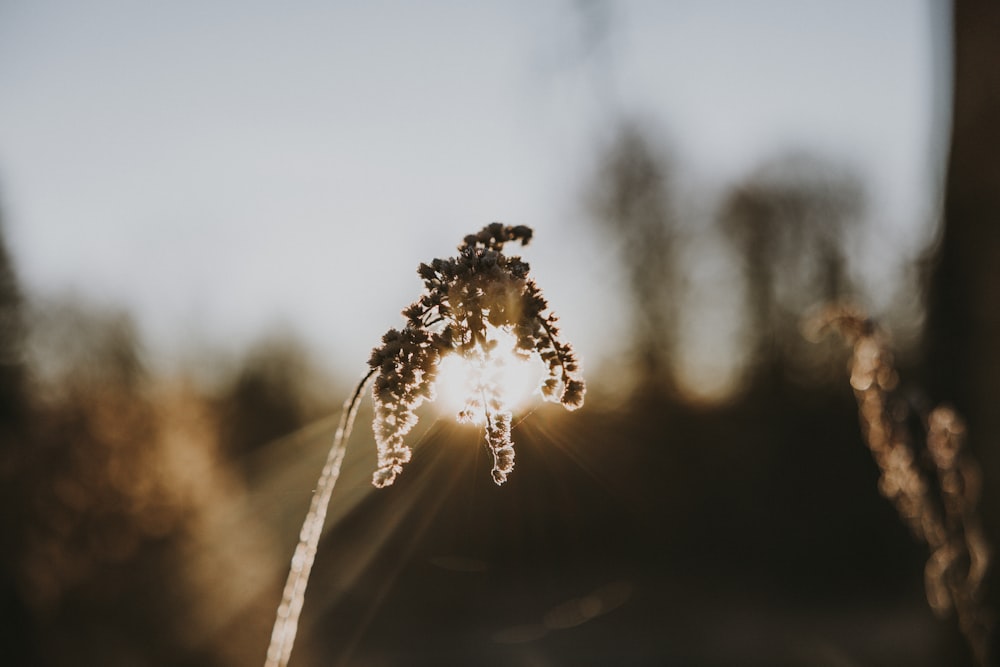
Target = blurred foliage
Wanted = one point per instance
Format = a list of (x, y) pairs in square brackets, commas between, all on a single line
[(632, 201), (126, 534), (273, 391), (790, 223)]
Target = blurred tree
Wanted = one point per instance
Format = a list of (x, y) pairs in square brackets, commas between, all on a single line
[(632, 201), (789, 222), (119, 539), (269, 396), (12, 371), (14, 623)]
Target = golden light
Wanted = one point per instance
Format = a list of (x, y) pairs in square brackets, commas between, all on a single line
[(514, 379)]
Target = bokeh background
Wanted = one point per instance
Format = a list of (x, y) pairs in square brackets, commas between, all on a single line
[(211, 213)]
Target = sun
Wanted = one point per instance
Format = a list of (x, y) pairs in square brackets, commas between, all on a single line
[(510, 377)]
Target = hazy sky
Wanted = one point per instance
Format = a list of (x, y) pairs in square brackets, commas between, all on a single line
[(217, 167)]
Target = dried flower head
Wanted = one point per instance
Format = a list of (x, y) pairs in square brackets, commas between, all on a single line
[(466, 300)]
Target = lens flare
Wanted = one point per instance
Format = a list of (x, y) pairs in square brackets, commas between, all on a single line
[(501, 372)]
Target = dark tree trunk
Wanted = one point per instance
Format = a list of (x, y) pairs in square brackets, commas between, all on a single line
[(963, 325), (962, 359)]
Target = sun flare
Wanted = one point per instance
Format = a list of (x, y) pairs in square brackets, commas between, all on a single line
[(510, 378)]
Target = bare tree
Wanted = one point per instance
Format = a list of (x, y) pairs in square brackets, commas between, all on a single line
[(633, 202), (788, 222)]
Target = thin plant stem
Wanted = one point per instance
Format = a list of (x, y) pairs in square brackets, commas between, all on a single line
[(480, 287), (286, 622)]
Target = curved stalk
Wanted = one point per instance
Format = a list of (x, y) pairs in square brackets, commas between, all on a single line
[(286, 622)]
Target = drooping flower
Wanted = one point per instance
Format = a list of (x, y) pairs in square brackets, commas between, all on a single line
[(466, 298)]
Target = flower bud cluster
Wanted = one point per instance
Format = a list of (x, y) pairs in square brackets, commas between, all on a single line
[(407, 364), (499, 442), (463, 297)]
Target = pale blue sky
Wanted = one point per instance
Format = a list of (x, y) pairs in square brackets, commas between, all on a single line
[(220, 166)]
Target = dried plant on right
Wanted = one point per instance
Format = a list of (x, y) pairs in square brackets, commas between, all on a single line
[(935, 489)]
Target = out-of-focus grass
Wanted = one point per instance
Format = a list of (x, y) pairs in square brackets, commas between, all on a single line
[(129, 537)]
